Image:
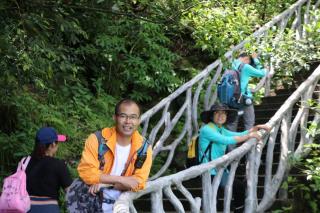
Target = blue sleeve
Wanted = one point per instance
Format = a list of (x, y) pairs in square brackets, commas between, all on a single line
[(213, 135), (257, 63), (254, 72), (231, 133)]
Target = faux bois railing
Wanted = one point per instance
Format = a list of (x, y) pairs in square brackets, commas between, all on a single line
[(199, 94)]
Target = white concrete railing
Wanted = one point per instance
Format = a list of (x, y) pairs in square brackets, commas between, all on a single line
[(281, 121), (185, 119), (188, 116)]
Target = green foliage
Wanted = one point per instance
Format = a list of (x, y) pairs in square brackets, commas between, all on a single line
[(67, 68), (314, 127), (217, 28), (80, 114), (67, 63), (291, 58), (268, 9)]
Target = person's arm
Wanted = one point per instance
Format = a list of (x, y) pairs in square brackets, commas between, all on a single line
[(135, 182), (240, 139), (231, 133), (64, 177), (242, 136), (260, 126), (121, 183), (142, 174), (88, 167), (257, 63), (126, 183), (254, 72), (213, 135)]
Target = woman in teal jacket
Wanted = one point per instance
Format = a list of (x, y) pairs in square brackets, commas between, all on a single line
[(251, 67), (214, 139)]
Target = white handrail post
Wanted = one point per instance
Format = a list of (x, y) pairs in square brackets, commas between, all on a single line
[(206, 192)]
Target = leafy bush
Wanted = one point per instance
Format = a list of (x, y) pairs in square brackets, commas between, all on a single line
[(217, 28), (68, 67), (292, 58)]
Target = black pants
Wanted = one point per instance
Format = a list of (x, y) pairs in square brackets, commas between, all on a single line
[(238, 192)]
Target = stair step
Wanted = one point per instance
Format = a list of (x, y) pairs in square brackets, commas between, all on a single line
[(275, 99), (288, 91)]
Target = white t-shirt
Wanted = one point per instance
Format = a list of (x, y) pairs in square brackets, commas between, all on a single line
[(121, 157)]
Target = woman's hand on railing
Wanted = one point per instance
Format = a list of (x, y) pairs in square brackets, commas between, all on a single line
[(260, 126), (255, 135)]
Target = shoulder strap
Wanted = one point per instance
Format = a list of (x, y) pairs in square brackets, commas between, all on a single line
[(238, 73), (23, 163), (102, 148), (209, 145), (142, 154), (240, 67), (205, 152)]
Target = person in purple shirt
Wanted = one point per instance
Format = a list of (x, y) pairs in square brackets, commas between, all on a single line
[(214, 139)]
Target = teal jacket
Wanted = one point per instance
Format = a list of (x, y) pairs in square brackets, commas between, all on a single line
[(220, 139), (247, 72)]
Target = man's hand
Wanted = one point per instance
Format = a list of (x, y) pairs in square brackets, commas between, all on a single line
[(94, 189), (123, 183), (120, 187), (126, 183)]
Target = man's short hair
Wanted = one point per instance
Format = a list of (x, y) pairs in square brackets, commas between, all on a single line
[(125, 101)]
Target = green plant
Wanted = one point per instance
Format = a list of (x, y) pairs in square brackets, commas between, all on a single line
[(217, 28), (292, 58)]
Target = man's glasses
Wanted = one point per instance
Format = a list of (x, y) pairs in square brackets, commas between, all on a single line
[(124, 116)]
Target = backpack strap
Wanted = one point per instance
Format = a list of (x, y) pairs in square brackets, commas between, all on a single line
[(102, 149), (240, 67), (238, 71), (205, 152), (142, 154), (208, 147), (23, 163)]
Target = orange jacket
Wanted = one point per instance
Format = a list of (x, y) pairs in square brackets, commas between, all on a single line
[(88, 167)]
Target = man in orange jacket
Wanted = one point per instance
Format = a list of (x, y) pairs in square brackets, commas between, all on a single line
[(119, 171)]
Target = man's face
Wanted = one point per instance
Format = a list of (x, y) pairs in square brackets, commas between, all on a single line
[(245, 59), (128, 119), (219, 117)]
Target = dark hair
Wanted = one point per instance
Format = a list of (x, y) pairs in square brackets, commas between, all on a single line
[(125, 101), (245, 54), (39, 150)]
